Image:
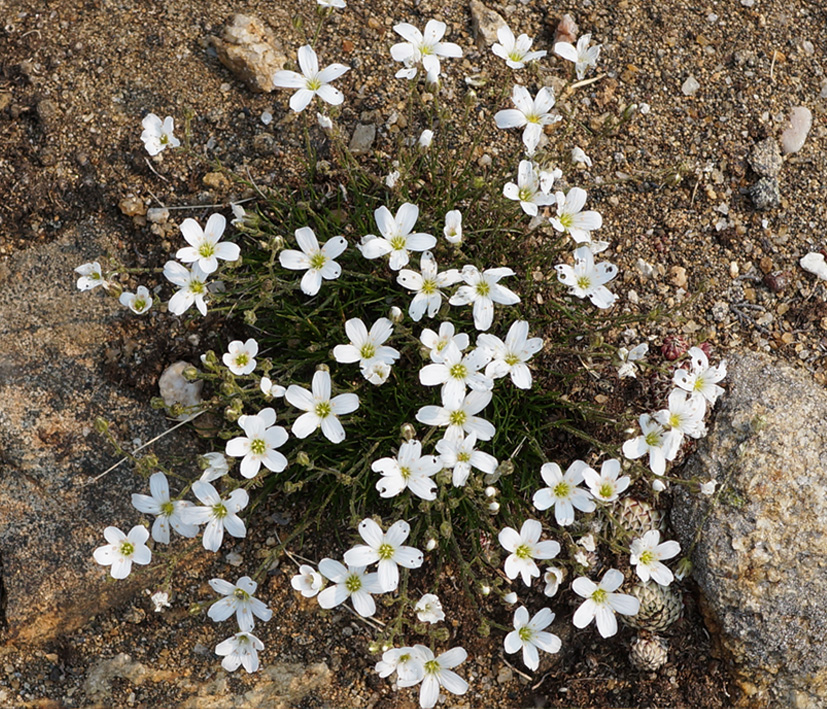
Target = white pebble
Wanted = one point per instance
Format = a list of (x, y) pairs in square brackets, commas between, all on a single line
[(798, 126), (690, 86), (266, 118), (814, 263)]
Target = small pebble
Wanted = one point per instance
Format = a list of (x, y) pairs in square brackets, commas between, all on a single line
[(690, 86), (765, 158), (798, 126), (765, 193), (266, 118)]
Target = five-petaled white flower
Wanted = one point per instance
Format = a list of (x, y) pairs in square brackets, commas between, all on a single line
[(525, 547), (607, 486), (240, 357), (655, 441), (123, 549), (701, 379), (429, 609), (483, 290), (259, 445), (219, 514), (528, 191), (397, 239), (528, 635), (238, 599), (192, 286), (453, 227), (436, 343), (422, 49), (270, 389), (460, 455), (516, 51), (438, 673), (602, 602), (456, 372), (563, 492), (316, 260), (169, 513), (684, 415), (240, 649), (158, 135), (409, 469), (582, 55), (311, 82), (571, 219), (139, 302), (308, 581), (531, 113), (510, 357), (90, 276), (587, 279), (647, 553), (367, 347), (387, 549), (351, 582), (460, 418), (427, 286), (204, 249), (407, 662), (321, 410)]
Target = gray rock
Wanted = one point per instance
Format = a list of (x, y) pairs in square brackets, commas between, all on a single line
[(765, 158), (249, 49), (363, 136), (760, 561), (765, 193), (485, 22)]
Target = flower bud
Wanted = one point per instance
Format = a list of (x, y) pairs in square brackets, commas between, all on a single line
[(396, 314), (191, 374), (490, 491), (684, 568), (408, 431), (445, 529), (303, 459), (430, 545), (485, 590), (494, 507), (250, 317), (658, 485), (510, 598), (101, 425)]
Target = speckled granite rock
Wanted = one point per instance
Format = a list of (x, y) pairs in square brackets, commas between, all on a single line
[(761, 562)]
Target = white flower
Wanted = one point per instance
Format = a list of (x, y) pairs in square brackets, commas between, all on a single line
[(308, 581), (436, 343), (425, 139), (317, 261), (438, 673), (240, 356), (139, 302), (311, 82), (429, 609), (533, 113), (647, 553), (425, 50), (627, 358), (528, 191), (351, 582), (385, 548), (587, 280), (510, 357), (123, 549), (571, 219), (410, 469), (453, 227), (321, 410), (529, 635), (392, 178), (238, 599), (341, 4), (157, 136), (204, 249), (582, 55), (553, 578), (708, 488), (366, 347), (456, 372), (407, 662), (169, 513), (563, 492), (259, 445), (607, 486), (525, 547), (580, 158), (270, 389), (655, 441), (240, 649), (192, 285), (483, 290), (90, 276), (701, 379), (460, 419), (160, 599), (396, 238), (460, 455), (602, 603), (219, 514), (376, 372), (427, 286), (216, 467), (324, 121), (516, 52), (685, 415)]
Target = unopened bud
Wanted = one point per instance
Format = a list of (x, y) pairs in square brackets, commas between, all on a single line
[(408, 431), (430, 544), (191, 374), (510, 598), (494, 507), (250, 317), (101, 425), (485, 590), (490, 491), (396, 314), (684, 568), (303, 459)]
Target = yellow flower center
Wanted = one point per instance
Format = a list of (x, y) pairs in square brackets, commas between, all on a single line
[(458, 371), (584, 282), (599, 595), (314, 84), (511, 359), (605, 490), (385, 551), (257, 446), (463, 457), (219, 511), (206, 250), (562, 490), (429, 286), (398, 243), (368, 351), (167, 509), (525, 633), (353, 583), (457, 418), (317, 261), (646, 557), (523, 551), (323, 409), (127, 548)]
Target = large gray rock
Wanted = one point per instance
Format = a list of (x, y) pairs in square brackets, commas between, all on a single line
[(761, 561), (52, 388)]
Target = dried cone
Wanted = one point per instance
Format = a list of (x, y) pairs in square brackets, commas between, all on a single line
[(649, 652), (660, 607), (638, 516)]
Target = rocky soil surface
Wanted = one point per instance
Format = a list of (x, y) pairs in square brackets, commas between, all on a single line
[(680, 200)]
